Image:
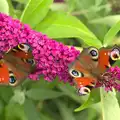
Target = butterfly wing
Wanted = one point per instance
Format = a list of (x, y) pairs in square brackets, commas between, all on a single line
[(89, 58), (20, 63), (4, 73), (91, 63), (81, 70), (107, 57)]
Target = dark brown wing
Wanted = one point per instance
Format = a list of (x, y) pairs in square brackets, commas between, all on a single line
[(20, 63), (81, 70), (87, 60)]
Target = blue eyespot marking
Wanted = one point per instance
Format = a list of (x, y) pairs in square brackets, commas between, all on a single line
[(12, 79), (75, 73), (30, 61), (93, 53)]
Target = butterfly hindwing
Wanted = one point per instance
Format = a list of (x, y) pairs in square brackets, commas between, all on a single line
[(20, 63)]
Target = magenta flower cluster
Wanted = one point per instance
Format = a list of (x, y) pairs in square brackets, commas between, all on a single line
[(110, 79), (52, 57)]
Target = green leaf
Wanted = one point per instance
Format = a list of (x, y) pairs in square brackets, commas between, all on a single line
[(35, 11), (21, 1), (117, 63), (66, 113), (110, 106), (6, 93), (98, 2), (14, 112), (71, 92), (30, 110), (111, 34), (42, 94), (62, 25), (11, 9), (1, 106), (59, 6), (45, 117), (4, 8), (18, 97), (93, 98), (108, 20), (92, 114)]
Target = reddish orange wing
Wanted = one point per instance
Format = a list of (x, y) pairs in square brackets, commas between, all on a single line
[(17, 64), (4, 73), (107, 57)]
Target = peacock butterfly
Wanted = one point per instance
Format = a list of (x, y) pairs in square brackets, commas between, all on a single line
[(89, 66)]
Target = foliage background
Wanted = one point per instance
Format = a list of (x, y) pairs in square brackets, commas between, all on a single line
[(72, 22)]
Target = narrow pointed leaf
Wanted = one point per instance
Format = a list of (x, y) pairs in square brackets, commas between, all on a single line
[(30, 110), (108, 20), (93, 98), (42, 94), (62, 25), (35, 11), (111, 34)]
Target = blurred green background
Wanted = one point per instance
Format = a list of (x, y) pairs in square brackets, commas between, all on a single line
[(79, 23)]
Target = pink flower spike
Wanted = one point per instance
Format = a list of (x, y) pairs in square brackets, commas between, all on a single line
[(52, 57), (110, 79)]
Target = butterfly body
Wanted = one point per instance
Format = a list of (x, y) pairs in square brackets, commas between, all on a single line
[(16, 65), (87, 69)]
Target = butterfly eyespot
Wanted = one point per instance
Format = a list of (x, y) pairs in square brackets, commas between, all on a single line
[(94, 53), (30, 61), (24, 47), (12, 79), (115, 54), (75, 73), (84, 91)]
